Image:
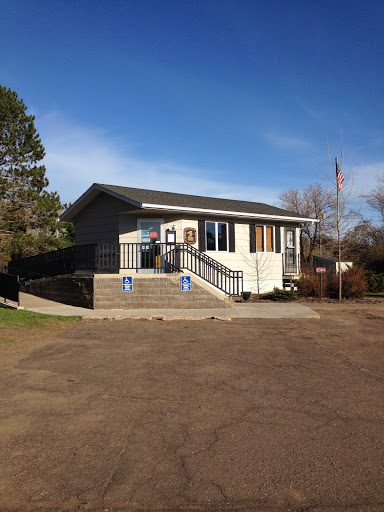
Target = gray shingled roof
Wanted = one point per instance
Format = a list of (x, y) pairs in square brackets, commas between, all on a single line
[(189, 201)]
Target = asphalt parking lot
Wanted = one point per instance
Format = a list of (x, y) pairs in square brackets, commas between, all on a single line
[(270, 414)]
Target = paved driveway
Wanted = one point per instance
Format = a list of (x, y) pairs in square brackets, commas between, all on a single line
[(243, 415)]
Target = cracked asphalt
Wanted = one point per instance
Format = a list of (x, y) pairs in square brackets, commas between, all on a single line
[(165, 416)]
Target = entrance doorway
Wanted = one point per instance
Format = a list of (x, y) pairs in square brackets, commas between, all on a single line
[(290, 251), (150, 234)]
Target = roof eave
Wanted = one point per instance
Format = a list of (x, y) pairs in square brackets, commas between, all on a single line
[(87, 197), (151, 206)]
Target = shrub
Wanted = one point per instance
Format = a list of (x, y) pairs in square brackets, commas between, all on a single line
[(309, 285), (354, 285), (281, 295), (375, 281)]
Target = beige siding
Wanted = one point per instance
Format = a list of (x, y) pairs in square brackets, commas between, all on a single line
[(128, 226), (262, 270)]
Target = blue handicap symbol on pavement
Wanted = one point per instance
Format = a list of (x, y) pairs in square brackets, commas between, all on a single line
[(127, 284), (185, 283)]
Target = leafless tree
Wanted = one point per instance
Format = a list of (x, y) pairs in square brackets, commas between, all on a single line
[(315, 201), (346, 215), (324, 199), (260, 262), (375, 198)]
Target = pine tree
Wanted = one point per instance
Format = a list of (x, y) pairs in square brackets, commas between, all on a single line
[(28, 213)]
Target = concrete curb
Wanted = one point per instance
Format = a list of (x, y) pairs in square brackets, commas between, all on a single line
[(239, 311)]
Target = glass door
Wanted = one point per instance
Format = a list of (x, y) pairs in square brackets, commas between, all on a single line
[(150, 237)]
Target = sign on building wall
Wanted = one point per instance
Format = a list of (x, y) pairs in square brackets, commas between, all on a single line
[(127, 284), (185, 283), (190, 235)]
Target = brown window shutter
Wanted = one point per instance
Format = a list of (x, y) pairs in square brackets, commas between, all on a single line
[(260, 238)]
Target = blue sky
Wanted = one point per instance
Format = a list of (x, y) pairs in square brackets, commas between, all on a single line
[(213, 97)]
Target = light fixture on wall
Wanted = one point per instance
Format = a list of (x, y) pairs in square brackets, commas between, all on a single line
[(173, 227)]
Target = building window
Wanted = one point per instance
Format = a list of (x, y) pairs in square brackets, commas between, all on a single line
[(216, 236), (265, 239)]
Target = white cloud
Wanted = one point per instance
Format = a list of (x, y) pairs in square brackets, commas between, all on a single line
[(77, 156), (365, 176), (286, 142)]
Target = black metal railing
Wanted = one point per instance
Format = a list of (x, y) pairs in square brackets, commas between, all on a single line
[(9, 287), (160, 258), (290, 262), (54, 263), (185, 256), (154, 258)]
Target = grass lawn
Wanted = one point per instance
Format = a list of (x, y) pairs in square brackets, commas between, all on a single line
[(378, 295), (20, 319)]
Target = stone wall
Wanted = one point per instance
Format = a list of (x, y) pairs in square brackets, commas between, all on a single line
[(73, 290)]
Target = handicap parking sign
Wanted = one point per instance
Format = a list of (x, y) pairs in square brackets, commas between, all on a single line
[(185, 283), (127, 284)]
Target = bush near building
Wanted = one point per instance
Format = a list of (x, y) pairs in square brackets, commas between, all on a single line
[(354, 286), (309, 285), (375, 281)]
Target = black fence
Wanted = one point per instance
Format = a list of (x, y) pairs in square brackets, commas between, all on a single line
[(151, 258), (9, 287), (54, 263)]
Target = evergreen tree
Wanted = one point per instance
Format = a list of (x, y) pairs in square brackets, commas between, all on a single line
[(28, 213)]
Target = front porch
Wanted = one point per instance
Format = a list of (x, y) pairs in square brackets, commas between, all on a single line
[(291, 263), (132, 258)]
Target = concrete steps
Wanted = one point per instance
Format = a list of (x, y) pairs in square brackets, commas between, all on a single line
[(155, 292)]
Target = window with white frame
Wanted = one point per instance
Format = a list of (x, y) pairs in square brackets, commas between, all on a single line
[(265, 239), (216, 234)]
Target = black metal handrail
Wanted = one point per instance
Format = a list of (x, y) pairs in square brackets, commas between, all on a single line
[(54, 263), (189, 258), (161, 257), (155, 257)]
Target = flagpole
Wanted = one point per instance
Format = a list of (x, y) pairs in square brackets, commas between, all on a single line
[(338, 230)]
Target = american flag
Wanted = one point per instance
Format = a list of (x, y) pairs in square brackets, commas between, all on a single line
[(339, 177)]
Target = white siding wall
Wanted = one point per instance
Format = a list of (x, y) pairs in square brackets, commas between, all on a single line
[(262, 271)]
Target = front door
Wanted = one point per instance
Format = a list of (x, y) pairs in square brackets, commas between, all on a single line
[(150, 237), (290, 251)]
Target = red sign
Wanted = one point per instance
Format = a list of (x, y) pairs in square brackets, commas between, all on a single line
[(321, 270), (153, 234)]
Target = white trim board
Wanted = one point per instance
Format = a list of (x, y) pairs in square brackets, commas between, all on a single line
[(150, 206)]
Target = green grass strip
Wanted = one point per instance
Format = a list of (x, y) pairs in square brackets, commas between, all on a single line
[(29, 320)]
